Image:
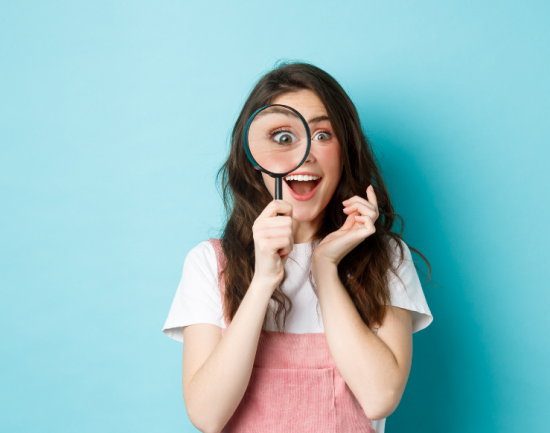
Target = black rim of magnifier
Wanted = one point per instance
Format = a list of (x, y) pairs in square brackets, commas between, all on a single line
[(251, 158)]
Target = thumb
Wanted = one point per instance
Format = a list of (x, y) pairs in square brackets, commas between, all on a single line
[(350, 221)]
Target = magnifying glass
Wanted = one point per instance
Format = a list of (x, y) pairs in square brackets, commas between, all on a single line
[(277, 141)]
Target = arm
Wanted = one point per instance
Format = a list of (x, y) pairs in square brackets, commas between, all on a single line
[(375, 366), (216, 370)]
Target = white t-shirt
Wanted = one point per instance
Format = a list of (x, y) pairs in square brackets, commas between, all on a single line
[(198, 298)]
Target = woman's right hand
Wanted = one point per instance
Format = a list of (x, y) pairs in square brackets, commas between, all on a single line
[(210, 359), (273, 241)]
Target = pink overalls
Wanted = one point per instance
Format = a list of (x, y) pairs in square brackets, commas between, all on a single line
[(295, 386)]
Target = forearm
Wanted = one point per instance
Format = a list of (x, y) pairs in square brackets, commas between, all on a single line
[(365, 362), (215, 390)]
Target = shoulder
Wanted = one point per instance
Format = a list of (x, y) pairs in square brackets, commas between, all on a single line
[(197, 298), (201, 262), (404, 285), (203, 253), (203, 249), (401, 259), (400, 252)]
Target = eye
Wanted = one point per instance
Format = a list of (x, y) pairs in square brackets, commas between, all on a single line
[(284, 137), (322, 136)]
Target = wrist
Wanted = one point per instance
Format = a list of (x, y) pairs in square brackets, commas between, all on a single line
[(263, 285), (323, 266)]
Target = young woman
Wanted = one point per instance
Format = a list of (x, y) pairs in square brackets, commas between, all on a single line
[(301, 322)]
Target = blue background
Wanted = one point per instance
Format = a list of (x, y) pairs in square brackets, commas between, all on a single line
[(114, 117)]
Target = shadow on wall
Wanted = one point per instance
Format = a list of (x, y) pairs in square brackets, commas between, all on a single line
[(450, 387)]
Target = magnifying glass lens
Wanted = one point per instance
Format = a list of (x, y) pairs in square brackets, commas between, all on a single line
[(277, 139)]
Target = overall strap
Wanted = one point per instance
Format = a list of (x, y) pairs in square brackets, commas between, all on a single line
[(295, 385), (222, 260)]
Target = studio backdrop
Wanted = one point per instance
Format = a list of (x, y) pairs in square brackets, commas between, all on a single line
[(114, 118)]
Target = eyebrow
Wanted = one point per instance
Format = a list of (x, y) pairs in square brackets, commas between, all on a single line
[(288, 113), (318, 119), (277, 110)]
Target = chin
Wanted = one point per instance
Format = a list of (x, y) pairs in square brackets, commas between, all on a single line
[(304, 214)]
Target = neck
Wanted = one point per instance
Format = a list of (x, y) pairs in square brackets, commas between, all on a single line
[(303, 231)]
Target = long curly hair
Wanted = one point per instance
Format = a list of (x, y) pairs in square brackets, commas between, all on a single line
[(364, 271)]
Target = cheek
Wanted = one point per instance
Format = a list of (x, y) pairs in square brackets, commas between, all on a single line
[(269, 182), (330, 159)]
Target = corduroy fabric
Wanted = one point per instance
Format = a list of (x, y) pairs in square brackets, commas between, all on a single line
[(295, 386)]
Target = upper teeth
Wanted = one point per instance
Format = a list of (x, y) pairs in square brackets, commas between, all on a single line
[(301, 177)]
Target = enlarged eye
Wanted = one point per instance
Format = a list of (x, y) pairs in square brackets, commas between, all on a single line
[(322, 136), (285, 137)]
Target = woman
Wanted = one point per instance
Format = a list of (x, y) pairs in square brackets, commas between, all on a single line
[(301, 322)]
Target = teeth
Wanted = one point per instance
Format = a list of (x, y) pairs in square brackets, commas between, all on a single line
[(301, 177)]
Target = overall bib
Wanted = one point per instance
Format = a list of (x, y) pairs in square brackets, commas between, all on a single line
[(295, 386)]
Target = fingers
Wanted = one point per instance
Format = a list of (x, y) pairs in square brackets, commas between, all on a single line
[(275, 207), (280, 245), (264, 223), (367, 222), (274, 233), (362, 210), (372, 196), (284, 246), (269, 252), (362, 226), (350, 221), (364, 207)]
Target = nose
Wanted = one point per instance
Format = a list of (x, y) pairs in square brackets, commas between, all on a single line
[(310, 156)]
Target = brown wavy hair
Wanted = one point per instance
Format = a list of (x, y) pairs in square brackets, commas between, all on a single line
[(364, 270)]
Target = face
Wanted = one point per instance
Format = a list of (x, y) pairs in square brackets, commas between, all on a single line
[(310, 197)]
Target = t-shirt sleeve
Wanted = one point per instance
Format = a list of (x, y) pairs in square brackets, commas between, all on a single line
[(197, 298), (407, 293)]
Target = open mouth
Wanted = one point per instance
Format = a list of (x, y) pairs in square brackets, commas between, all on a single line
[(302, 186)]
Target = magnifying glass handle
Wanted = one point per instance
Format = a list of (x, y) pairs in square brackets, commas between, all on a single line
[(279, 190)]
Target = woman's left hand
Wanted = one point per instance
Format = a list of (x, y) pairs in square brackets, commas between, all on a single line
[(358, 226)]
